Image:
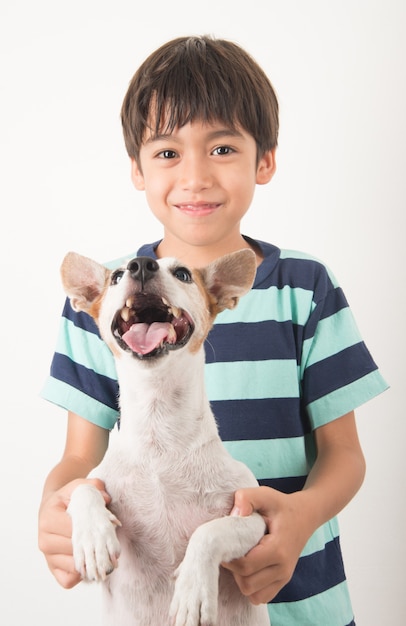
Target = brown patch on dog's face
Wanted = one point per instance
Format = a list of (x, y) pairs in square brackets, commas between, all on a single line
[(208, 312), (94, 308)]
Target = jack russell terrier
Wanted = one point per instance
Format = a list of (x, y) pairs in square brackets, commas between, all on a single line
[(170, 478)]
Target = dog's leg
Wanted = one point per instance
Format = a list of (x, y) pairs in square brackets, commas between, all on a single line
[(195, 599), (95, 544)]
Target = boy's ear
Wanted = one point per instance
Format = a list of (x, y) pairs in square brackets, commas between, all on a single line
[(266, 167), (136, 176)]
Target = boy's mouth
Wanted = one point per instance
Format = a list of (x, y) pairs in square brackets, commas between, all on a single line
[(198, 208), (149, 326)]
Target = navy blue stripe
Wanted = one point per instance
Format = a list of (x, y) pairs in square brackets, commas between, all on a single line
[(102, 388), (314, 574), (80, 319), (303, 273), (334, 302), (337, 371), (285, 485), (268, 418), (258, 341)]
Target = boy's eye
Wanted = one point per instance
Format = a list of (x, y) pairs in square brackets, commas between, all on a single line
[(223, 150), (167, 154), (116, 277)]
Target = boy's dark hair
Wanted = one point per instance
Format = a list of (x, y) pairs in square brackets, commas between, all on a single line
[(200, 78)]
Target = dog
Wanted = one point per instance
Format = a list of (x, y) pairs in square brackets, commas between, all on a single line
[(158, 547)]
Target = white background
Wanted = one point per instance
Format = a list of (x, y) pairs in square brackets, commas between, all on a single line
[(339, 193)]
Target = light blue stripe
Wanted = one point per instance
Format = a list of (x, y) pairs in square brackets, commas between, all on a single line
[(280, 305), (346, 399), (86, 349), (264, 379), (272, 458), (329, 608), (333, 334), (323, 535), (72, 399)]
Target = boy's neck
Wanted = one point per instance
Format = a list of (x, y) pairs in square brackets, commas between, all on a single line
[(200, 256)]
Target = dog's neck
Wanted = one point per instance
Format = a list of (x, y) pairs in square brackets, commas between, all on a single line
[(164, 406)]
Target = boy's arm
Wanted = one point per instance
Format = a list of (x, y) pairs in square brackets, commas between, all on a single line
[(292, 518), (85, 447)]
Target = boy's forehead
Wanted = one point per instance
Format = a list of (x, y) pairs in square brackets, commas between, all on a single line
[(211, 129)]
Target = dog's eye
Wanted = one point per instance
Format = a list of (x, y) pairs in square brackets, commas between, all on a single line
[(183, 274), (116, 277)]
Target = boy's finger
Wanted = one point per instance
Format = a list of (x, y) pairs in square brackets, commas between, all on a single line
[(248, 500), (257, 560)]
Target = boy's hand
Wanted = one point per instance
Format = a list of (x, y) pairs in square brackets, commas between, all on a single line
[(269, 566), (291, 519), (55, 532)]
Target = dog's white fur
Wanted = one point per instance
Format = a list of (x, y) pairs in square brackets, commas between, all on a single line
[(170, 478)]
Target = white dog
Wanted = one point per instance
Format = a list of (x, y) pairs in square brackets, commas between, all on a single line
[(170, 478)]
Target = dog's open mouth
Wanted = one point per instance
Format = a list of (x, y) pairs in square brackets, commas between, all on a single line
[(149, 326)]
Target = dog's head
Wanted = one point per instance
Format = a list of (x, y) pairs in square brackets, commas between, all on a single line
[(149, 307)]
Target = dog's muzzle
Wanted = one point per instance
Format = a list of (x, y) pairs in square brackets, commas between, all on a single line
[(149, 326)]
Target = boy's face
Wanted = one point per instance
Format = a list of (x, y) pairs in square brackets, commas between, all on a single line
[(199, 182)]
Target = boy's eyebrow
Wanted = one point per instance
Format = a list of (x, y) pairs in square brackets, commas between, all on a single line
[(225, 132), (215, 134)]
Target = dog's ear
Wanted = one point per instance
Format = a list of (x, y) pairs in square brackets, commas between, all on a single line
[(230, 277), (83, 280)]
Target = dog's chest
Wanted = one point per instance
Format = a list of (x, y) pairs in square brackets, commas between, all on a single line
[(159, 507)]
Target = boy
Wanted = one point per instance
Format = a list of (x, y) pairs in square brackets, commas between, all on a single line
[(285, 369)]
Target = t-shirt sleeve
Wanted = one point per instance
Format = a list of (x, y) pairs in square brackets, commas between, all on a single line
[(338, 373), (83, 377)]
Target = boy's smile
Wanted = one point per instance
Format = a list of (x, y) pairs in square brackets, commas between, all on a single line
[(199, 182)]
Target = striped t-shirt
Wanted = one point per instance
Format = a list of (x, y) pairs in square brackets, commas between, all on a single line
[(288, 359)]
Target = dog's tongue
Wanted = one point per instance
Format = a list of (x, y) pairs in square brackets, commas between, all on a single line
[(143, 338)]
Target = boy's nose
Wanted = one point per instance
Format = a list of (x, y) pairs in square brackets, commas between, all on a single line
[(195, 174)]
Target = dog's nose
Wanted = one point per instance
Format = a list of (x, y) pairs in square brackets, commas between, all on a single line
[(142, 268)]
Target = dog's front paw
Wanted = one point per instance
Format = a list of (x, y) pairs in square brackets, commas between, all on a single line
[(95, 545), (195, 598)]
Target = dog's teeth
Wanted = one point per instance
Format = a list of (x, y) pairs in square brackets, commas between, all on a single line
[(125, 313), (165, 301), (129, 302), (171, 335), (176, 311)]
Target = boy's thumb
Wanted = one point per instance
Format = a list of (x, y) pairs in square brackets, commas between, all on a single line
[(246, 501), (243, 502)]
